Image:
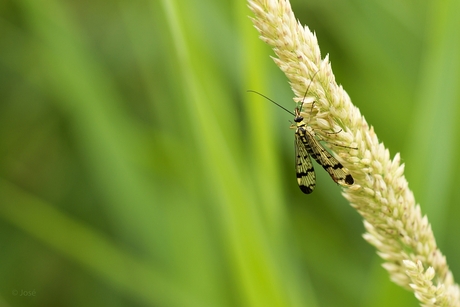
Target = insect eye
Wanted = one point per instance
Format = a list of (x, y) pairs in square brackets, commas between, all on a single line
[(298, 119)]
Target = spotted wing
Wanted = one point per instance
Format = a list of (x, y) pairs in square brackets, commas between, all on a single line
[(304, 169), (335, 169)]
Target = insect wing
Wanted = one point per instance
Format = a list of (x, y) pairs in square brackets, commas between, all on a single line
[(335, 169), (304, 168)]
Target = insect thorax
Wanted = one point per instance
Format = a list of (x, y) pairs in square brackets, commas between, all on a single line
[(303, 128)]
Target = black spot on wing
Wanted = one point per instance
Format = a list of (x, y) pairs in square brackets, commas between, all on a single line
[(349, 180), (306, 173), (337, 165), (306, 189), (332, 166)]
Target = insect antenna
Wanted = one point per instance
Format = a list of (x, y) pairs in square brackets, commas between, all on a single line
[(272, 101), (306, 92)]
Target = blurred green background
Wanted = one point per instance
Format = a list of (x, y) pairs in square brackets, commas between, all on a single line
[(135, 169)]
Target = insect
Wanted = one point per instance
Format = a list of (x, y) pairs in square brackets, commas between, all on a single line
[(306, 145)]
